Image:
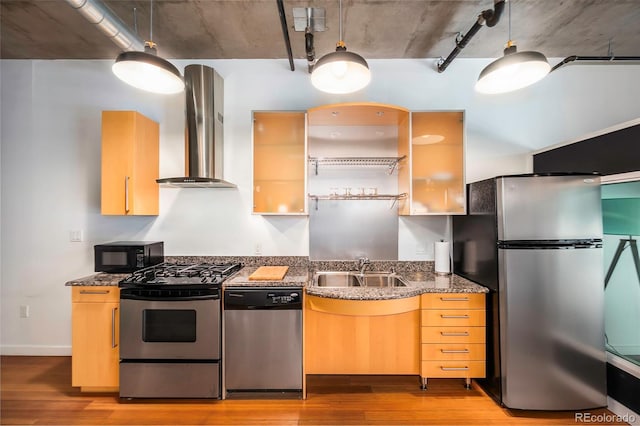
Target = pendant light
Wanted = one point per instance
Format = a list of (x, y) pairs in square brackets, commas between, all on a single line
[(340, 72), (513, 71), (147, 71)]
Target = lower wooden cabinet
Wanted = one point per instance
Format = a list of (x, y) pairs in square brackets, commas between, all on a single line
[(95, 338), (452, 337), (361, 336)]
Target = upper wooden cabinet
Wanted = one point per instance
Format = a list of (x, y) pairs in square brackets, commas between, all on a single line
[(130, 163), (279, 163), (434, 179)]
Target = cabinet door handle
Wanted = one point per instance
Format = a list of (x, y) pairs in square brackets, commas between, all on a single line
[(445, 333), (454, 316), (454, 299), (454, 368), (113, 327), (454, 351), (126, 194), (94, 291)]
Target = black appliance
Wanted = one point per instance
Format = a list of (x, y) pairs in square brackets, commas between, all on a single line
[(127, 256), (170, 331)]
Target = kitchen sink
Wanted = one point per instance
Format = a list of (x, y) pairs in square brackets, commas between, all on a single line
[(354, 279), (383, 279), (336, 279)]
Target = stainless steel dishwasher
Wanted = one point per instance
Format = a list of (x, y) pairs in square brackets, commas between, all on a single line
[(263, 340)]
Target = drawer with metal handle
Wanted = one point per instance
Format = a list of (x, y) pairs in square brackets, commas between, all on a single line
[(453, 369), (452, 301), (453, 334), (453, 317), (95, 294), (453, 351)]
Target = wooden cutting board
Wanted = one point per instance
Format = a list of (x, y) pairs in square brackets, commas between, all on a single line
[(269, 273)]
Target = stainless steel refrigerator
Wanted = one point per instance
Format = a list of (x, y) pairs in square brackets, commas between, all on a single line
[(536, 242)]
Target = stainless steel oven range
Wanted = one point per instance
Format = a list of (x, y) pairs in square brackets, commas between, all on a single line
[(170, 331)]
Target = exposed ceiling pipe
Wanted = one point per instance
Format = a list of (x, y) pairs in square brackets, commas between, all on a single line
[(311, 52), (99, 14), (489, 17), (308, 43), (574, 58), (285, 33)]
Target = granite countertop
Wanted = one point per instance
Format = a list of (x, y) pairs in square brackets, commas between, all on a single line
[(419, 277), (101, 278), (418, 282), (295, 277)]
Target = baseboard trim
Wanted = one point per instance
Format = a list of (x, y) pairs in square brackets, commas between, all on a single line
[(35, 350), (625, 413), (623, 364)]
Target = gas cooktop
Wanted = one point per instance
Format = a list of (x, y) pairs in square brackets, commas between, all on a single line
[(181, 275)]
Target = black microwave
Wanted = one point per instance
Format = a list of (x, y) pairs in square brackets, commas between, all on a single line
[(127, 256)]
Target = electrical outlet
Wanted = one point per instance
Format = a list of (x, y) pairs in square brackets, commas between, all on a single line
[(24, 311), (258, 250), (75, 236)]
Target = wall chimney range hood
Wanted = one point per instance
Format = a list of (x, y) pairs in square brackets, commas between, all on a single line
[(204, 89)]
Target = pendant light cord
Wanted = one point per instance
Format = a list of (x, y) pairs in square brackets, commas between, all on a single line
[(509, 19), (340, 26), (135, 21), (151, 23)]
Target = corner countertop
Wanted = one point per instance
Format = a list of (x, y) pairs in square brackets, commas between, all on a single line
[(101, 278), (295, 277), (418, 282)]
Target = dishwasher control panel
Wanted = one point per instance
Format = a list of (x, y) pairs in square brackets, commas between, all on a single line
[(283, 298), (263, 298)]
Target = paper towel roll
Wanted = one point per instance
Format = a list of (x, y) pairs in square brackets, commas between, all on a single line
[(441, 255)]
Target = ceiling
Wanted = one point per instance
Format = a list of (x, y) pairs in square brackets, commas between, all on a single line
[(376, 29)]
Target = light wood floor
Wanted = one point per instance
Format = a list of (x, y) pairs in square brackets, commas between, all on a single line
[(37, 390)]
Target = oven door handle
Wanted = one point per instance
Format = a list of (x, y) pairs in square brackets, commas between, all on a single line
[(169, 299)]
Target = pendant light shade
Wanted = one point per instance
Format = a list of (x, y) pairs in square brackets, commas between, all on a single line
[(340, 72), (513, 71), (148, 72)]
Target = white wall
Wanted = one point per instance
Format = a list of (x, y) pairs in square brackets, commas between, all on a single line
[(51, 163)]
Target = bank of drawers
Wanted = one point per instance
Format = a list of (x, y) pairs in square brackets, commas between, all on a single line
[(453, 335)]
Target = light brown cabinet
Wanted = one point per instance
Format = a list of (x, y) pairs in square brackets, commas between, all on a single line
[(453, 339), (361, 336), (95, 333), (434, 179), (130, 164), (279, 163)]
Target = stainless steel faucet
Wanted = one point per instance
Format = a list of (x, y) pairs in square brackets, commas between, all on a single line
[(362, 264)]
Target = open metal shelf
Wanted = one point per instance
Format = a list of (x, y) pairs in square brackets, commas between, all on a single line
[(390, 162), (393, 197)]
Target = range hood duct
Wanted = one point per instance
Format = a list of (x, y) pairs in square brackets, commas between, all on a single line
[(204, 89)]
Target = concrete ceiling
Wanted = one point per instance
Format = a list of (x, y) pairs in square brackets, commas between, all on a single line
[(214, 29)]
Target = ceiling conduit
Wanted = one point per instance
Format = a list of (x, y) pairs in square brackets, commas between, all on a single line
[(99, 14), (285, 33), (596, 59), (489, 17)]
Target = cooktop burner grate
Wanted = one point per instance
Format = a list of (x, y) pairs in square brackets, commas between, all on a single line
[(178, 274)]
